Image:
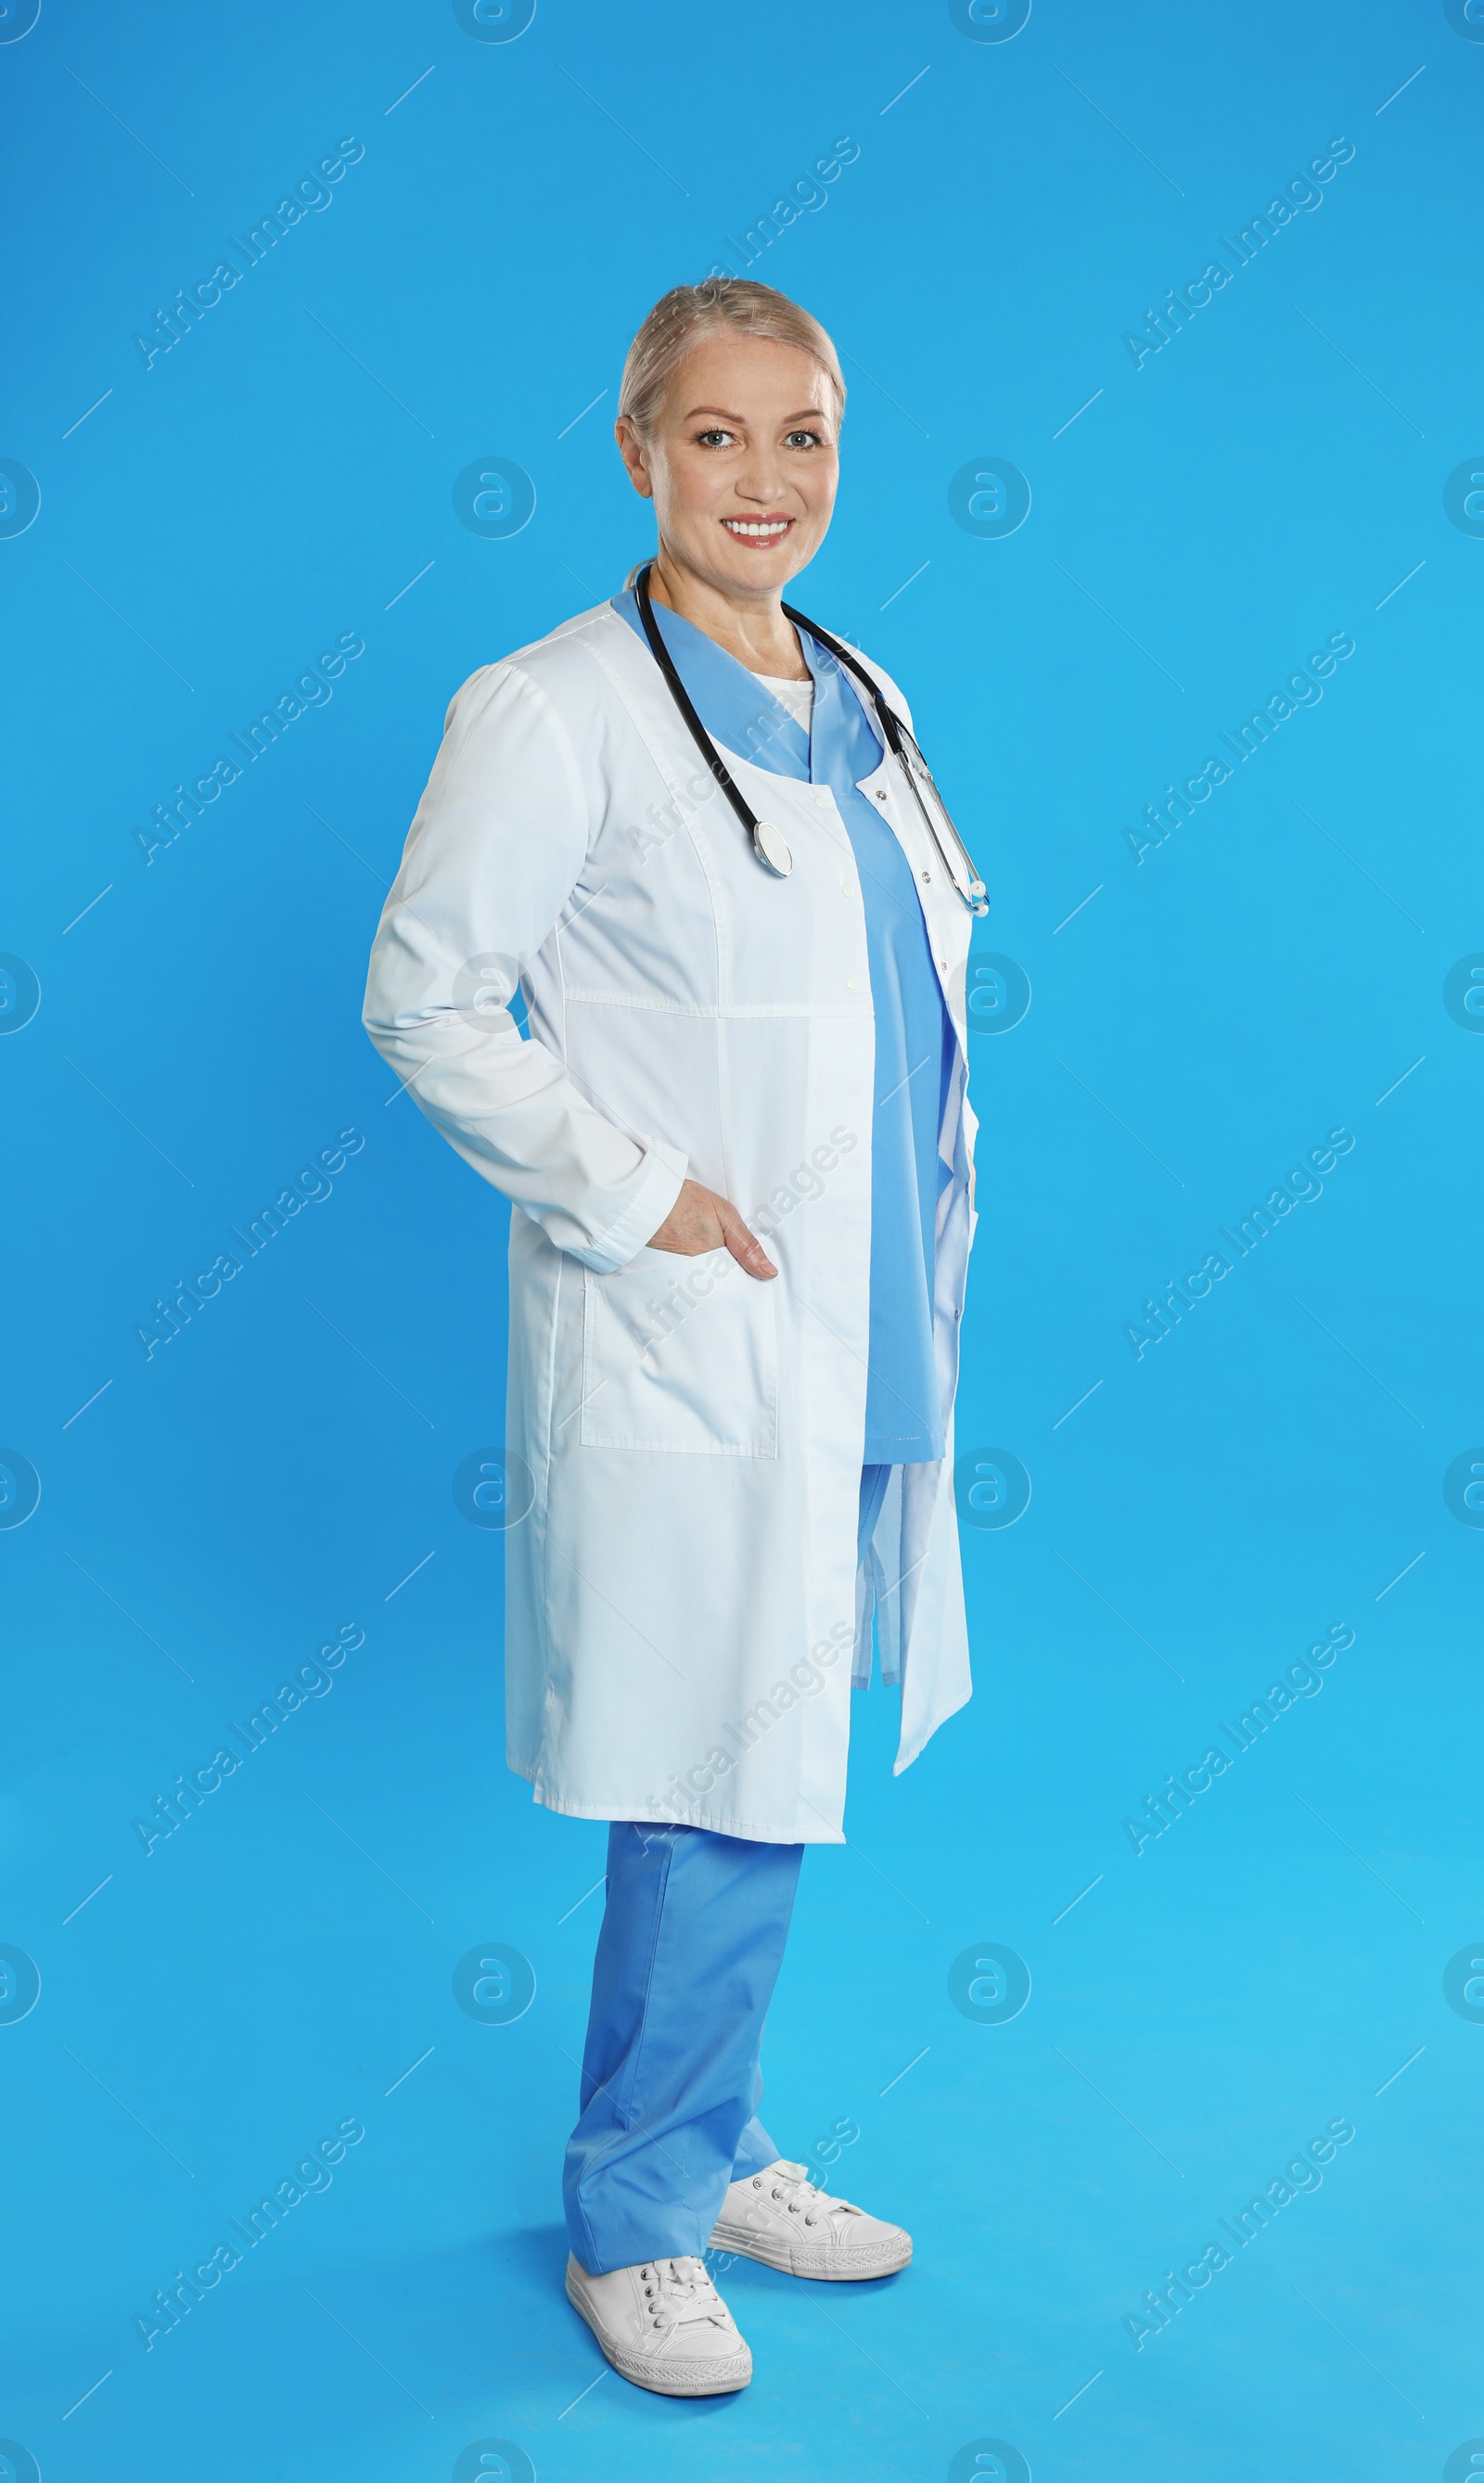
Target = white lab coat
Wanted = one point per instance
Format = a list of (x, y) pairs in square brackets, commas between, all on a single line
[(681, 1594)]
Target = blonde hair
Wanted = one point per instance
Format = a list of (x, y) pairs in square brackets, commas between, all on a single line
[(681, 317)]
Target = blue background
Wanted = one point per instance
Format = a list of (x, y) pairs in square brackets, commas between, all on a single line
[(284, 1466)]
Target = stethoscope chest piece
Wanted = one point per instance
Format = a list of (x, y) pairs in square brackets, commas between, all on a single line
[(769, 843), (771, 848)]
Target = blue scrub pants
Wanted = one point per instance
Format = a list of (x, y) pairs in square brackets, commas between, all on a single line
[(694, 1927), (691, 1944)]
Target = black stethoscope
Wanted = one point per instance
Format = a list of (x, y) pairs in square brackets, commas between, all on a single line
[(768, 842)]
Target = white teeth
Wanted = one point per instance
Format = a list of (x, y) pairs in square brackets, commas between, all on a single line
[(762, 533)]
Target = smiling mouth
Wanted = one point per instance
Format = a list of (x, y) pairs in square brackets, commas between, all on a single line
[(757, 530)]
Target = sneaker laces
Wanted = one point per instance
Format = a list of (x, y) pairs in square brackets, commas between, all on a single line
[(788, 2186), (678, 2291)]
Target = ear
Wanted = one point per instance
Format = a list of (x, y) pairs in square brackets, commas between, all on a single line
[(635, 456)]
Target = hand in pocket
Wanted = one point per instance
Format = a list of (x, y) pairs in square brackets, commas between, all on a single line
[(701, 1220)]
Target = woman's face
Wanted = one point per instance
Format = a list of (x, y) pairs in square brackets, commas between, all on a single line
[(742, 463)]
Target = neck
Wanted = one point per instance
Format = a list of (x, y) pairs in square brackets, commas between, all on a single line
[(752, 627)]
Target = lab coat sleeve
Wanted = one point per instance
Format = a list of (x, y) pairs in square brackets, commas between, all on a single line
[(493, 857)]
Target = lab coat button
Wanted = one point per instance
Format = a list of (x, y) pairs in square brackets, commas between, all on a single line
[(880, 796), (851, 982), (823, 799), (927, 874)]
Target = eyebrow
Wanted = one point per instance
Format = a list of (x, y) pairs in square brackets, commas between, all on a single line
[(813, 412)]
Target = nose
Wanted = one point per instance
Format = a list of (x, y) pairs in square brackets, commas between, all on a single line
[(761, 483)]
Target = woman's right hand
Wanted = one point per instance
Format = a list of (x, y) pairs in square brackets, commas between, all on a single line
[(700, 1220)]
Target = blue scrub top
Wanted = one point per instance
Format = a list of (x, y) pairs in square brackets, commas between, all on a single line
[(914, 1041)]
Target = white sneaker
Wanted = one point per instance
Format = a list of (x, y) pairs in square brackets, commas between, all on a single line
[(664, 2326), (780, 2218)]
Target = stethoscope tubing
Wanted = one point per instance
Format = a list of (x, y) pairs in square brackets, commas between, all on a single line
[(767, 843)]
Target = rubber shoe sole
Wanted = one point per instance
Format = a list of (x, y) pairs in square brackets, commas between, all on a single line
[(718, 2377), (813, 2259)]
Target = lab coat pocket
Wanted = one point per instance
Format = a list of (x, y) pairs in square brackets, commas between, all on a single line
[(680, 1354)]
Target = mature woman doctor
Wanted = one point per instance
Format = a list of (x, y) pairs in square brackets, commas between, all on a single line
[(703, 848)]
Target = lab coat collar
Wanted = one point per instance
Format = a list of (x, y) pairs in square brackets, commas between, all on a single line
[(735, 705)]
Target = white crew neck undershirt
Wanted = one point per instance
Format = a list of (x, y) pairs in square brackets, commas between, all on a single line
[(798, 697)]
